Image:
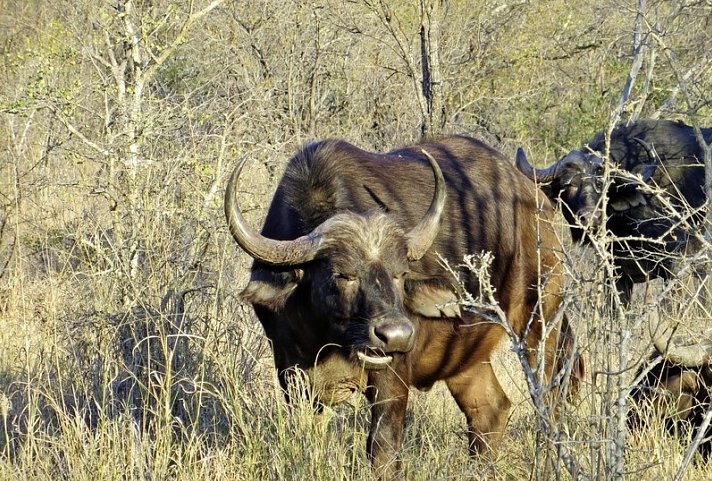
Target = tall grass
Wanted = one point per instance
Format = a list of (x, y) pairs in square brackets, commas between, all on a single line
[(125, 352), (183, 388)]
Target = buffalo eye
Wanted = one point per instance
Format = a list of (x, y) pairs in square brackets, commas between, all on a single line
[(599, 183), (571, 180), (401, 275), (343, 277)]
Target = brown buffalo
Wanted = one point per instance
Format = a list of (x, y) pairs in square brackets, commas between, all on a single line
[(675, 385), (348, 285)]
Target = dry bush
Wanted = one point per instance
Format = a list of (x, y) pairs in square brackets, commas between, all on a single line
[(125, 350)]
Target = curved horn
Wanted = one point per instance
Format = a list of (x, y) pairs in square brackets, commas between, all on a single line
[(269, 251), (540, 175), (695, 355), (421, 237), (649, 149)]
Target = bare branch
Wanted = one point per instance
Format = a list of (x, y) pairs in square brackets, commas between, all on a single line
[(696, 71), (639, 44), (692, 448), (179, 38)]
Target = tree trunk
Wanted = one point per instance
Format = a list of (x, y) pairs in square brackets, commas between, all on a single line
[(432, 88)]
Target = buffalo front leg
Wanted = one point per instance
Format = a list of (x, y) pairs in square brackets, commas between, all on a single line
[(389, 397), (485, 405)]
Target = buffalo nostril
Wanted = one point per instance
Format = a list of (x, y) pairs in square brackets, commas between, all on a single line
[(393, 336), (592, 219)]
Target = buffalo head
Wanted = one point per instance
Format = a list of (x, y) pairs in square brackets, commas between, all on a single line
[(577, 182), (350, 272)]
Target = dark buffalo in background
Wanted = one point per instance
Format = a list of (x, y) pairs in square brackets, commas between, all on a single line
[(675, 387), (660, 153), (348, 285)]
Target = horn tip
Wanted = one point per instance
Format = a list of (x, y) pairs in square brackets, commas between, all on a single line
[(522, 162)]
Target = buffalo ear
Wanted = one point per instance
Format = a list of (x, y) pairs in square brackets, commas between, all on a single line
[(625, 193), (432, 300), (271, 289), (626, 201)]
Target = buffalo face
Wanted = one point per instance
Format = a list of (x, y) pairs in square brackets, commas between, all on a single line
[(576, 181), (357, 283), (340, 287)]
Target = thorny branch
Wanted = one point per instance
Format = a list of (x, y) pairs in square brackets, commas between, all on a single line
[(486, 307)]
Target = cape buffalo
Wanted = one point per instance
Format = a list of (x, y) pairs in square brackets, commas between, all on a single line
[(675, 385), (648, 228), (348, 285)]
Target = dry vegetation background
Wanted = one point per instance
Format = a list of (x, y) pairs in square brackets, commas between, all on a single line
[(124, 351)]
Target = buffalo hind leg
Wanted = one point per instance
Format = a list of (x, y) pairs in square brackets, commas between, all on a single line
[(485, 405), (389, 397)]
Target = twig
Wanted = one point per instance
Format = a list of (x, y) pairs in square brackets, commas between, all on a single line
[(692, 448)]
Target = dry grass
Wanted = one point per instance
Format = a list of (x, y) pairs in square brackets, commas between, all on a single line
[(124, 351), (156, 392)]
